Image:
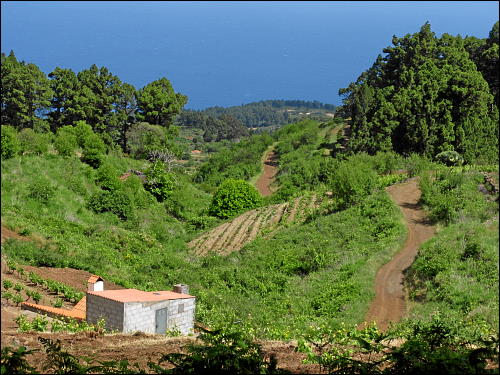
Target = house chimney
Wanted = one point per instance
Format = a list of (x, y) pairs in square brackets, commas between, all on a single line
[(181, 288), (95, 284)]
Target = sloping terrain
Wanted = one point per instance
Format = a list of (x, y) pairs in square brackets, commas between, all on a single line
[(233, 235), (389, 304)]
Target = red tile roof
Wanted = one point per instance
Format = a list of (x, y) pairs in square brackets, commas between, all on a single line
[(134, 295), (94, 278), (76, 314)]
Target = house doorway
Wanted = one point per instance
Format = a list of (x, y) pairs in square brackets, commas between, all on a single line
[(161, 321)]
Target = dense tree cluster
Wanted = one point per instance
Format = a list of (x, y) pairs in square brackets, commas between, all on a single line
[(30, 99), (214, 128), (259, 114), (428, 95)]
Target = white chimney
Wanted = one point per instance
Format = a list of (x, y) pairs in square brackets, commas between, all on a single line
[(95, 284), (181, 288)]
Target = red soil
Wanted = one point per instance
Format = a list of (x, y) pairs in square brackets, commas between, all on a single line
[(389, 304), (264, 182)]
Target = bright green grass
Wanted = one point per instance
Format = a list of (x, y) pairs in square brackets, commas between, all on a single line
[(457, 271)]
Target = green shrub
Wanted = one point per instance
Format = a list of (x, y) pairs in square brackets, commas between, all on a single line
[(14, 361), (107, 177), (92, 157), (17, 299), (143, 137), (41, 190), (7, 284), (159, 182), (232, 197), (450, 158), (7, 295), (92, 145), (36, 296), (117, 202), (23, 324), (453, 194), (416, 164), (351, 181), (10, 143), (18, 287), (65, 141), (33, 143), (222, 352), (135, 189), (387, 162)]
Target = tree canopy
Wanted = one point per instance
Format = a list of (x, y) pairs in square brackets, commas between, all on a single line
[(31, 99), (425, 96)]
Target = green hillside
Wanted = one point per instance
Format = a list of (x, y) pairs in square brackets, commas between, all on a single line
[(98, 177)]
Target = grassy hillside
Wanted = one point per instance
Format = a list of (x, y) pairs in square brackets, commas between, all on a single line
[(318, 272)]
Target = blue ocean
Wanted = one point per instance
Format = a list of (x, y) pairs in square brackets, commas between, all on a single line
[(229, 53)]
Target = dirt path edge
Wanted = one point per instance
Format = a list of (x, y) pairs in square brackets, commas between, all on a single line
[(389, 304)]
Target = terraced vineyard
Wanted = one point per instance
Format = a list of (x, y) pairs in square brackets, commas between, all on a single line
[(233, 235)]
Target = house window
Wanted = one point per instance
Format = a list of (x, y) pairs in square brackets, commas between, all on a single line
[(181, 308)]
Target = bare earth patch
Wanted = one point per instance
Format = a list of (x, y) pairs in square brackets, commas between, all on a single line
[(389, 304)]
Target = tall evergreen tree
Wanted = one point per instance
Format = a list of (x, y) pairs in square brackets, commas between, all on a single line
[(426, 96), (158, 103), (65, 86), (25, 93)]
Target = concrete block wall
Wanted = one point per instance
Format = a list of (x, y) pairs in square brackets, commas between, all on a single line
[(183, 321), (140, 316), (112, 311)]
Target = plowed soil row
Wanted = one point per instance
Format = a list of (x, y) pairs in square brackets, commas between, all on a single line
[(265, 181), (232, 236)]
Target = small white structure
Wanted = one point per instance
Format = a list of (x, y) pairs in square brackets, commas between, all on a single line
[(95, 284), (131, 310)]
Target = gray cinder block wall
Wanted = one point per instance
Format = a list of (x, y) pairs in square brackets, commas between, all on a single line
[(103, 308), (141, 316)]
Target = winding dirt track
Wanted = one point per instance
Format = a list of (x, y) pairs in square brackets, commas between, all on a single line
[(264, 182), (389, 304)]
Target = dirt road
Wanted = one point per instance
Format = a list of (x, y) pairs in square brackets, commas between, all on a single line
[(389, 304), (264, 182)]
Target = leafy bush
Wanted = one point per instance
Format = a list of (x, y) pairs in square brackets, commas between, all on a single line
[(65, 141), (453, 194), (7, 295), (10, 143), (416, 164), (440, 345), (159, 182), (222, 352), (135, 189), (142, 138), (41, 190), (7, 284), (92, 156), (450, 158), (92, 145), (14, 362), (457, 270), (18, 287), (17, 299), (387, 162), (107, 177), (232, 197), (117, 202), (351, 181), (33, 143)]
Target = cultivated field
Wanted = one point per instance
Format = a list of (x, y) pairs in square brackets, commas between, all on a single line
[(233, 235)]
